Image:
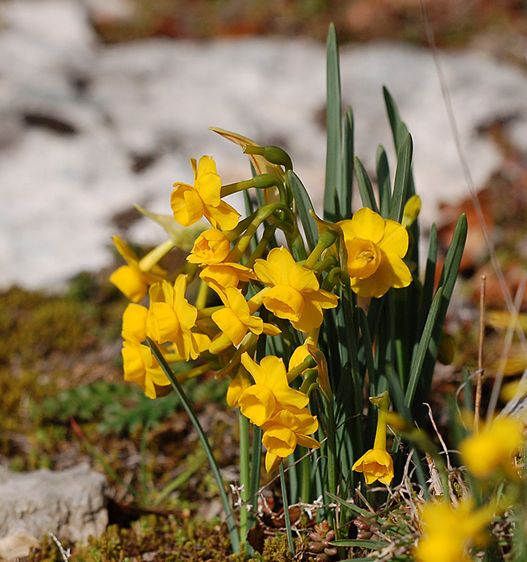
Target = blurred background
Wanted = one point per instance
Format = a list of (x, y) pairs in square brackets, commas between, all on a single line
[(103, 103)]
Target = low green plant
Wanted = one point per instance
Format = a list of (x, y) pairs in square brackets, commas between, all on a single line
[(340, 299)]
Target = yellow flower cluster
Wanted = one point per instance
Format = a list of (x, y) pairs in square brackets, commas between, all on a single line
[(448, 531), (258, 291)]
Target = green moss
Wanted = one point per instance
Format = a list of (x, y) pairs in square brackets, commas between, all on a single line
[(169, 539)]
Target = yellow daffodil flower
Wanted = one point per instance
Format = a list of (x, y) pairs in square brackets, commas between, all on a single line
[(134, 278), (221, 276), (284, 431), (190, 203), (139, 364), (171, 317), (375, 248), (235, 320), (492, 448), (377, 463), (210, 247), (448, 531), (238, 384), (295, 293), (271, 391)]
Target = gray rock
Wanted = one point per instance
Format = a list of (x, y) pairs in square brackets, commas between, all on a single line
[(70, 504)]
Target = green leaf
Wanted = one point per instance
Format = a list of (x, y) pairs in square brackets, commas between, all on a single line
[(383, 181), (399, 129), (377, 545), (365, 188), (345, 194), (403, 175), (426, 345), (427, 293), (303, 204), (334, 126), (231, 521)]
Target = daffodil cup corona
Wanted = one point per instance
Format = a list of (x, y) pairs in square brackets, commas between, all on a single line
[(299, 316)]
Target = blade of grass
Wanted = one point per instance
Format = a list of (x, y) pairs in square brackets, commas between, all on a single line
[(231, 522), (333, 125)]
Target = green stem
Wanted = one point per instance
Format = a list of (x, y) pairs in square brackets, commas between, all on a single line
[(287, 519), (332, 457), (324, 242), (201, 299), (245, 478), (305, 475), (151, 259), (231, 522), (262, 181)]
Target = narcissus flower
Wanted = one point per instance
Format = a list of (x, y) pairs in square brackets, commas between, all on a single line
[(235, 320), (190, 203), (171, 317), (284, 431), (271, 391), (449, 530), (377, 464), (210, 247), (139, 364), (375, 248), (221, 276), (295, 293), (492, 448), (134, 278)]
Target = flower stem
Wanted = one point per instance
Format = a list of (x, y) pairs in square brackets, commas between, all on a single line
[(286, 511), (151, 259), (245, 477)]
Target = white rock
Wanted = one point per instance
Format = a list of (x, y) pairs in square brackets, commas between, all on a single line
[(159, 97), (70, 504)]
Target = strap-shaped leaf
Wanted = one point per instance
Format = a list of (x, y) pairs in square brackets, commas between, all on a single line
[(303, 204), (403, 174), (333, 125), (427, 293), (365, 188), (345, 194), (229, 515), (426, 342), (383, 181)]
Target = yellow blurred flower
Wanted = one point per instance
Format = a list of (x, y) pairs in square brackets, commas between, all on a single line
[(284, 431), (271, 391), (295, 293), (411, 210), (235, 320), (171, 317), (375, 248), (190, 203), (134, 278), (210, 247), (139, 364), (448, 531), (493, 447)]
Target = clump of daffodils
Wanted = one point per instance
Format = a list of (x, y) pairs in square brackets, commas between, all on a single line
[(247, 290)]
